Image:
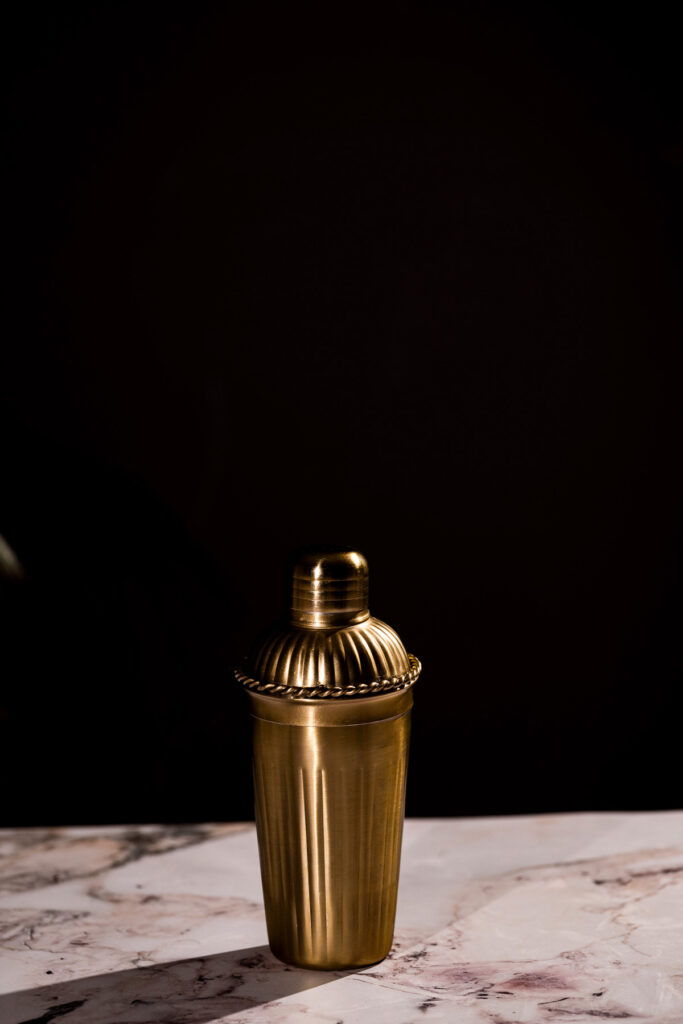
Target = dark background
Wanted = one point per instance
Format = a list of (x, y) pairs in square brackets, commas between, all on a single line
[(409, 283)]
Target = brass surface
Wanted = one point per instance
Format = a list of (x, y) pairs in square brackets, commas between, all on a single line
[(352, 690), (329, 588), (330, 774), (331, 641)]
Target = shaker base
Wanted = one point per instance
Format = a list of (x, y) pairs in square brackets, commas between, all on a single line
[(331, 965)]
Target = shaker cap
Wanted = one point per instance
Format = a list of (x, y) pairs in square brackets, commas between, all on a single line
[(331, 646), (329, 588)]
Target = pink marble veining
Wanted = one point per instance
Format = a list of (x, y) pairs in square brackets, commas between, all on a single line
[(574, 918)]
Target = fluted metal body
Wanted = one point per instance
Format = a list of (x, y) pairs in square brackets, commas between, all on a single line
[(330, 696)]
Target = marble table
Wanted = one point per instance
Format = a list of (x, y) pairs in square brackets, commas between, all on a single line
[(571, 918)]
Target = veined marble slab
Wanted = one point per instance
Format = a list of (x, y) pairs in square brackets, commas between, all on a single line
[(520, 920)]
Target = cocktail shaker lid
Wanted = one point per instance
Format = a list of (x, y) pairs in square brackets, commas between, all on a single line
[(331, 646)]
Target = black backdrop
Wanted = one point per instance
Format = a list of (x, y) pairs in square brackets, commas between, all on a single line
[(409, 283)]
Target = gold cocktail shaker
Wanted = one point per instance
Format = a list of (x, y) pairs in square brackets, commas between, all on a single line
[(330, 694)]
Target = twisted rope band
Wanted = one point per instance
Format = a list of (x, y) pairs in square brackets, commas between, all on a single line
[(389, 685)]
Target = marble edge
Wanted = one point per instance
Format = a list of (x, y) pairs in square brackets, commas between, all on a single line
[(79, 829)]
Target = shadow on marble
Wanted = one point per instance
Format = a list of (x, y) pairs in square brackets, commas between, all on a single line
[(194, 991)]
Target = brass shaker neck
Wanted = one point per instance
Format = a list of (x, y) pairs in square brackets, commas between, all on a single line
[(329, 589)]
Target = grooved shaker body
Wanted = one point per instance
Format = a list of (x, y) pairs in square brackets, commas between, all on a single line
[(330, 768)]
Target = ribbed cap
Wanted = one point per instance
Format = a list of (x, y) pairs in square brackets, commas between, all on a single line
[(329, 588), (331, 646)]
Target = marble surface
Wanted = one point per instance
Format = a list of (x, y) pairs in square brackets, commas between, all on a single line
[(553, 918)]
